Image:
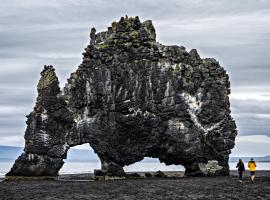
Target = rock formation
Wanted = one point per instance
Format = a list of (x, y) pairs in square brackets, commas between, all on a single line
[(130, 98)]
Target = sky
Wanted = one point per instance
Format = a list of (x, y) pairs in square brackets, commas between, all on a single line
[(235, 32)]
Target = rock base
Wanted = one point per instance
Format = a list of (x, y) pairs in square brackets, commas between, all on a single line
[(31, 178)]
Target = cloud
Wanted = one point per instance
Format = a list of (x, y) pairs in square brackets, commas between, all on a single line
[(251, 109), (12, 109), (12, 141)]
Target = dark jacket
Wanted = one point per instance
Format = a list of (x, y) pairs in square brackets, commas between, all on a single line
[(240, 166)]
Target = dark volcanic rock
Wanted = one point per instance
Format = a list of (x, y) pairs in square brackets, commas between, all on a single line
[(132, 98)]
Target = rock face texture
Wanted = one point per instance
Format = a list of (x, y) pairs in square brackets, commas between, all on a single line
[(130, 98)]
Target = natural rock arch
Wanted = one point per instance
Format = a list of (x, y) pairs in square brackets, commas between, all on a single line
[(131, 98)]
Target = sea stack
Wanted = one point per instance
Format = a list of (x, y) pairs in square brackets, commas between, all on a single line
[(130, 98)]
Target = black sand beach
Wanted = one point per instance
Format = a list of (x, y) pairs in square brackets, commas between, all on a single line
[(83, 187)]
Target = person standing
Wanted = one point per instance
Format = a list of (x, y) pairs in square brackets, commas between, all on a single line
[(241, 168), (252, 168)]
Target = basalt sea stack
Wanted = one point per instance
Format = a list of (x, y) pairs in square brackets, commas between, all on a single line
[(130, 98)]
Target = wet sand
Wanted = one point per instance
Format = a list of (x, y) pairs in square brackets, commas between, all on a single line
[(82, 186)]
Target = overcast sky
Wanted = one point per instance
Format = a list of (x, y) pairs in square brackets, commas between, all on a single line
[(236, 32)]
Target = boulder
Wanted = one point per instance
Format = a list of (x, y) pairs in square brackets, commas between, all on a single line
[(211, 168)]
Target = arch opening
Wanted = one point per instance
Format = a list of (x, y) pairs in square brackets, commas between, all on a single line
[(153, 165), (81, 159)]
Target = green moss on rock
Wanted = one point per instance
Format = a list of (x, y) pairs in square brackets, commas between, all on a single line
[(103, 46), (134, 34)]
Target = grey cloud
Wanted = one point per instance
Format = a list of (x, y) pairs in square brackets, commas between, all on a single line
[(251, 124), (13, 130), (252, 116), (17, 96), (250, 106)]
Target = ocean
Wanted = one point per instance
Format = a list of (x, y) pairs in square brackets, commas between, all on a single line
[(88, 167)]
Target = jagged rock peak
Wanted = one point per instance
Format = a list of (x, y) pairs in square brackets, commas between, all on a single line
[(48, 79), (128, 29)]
